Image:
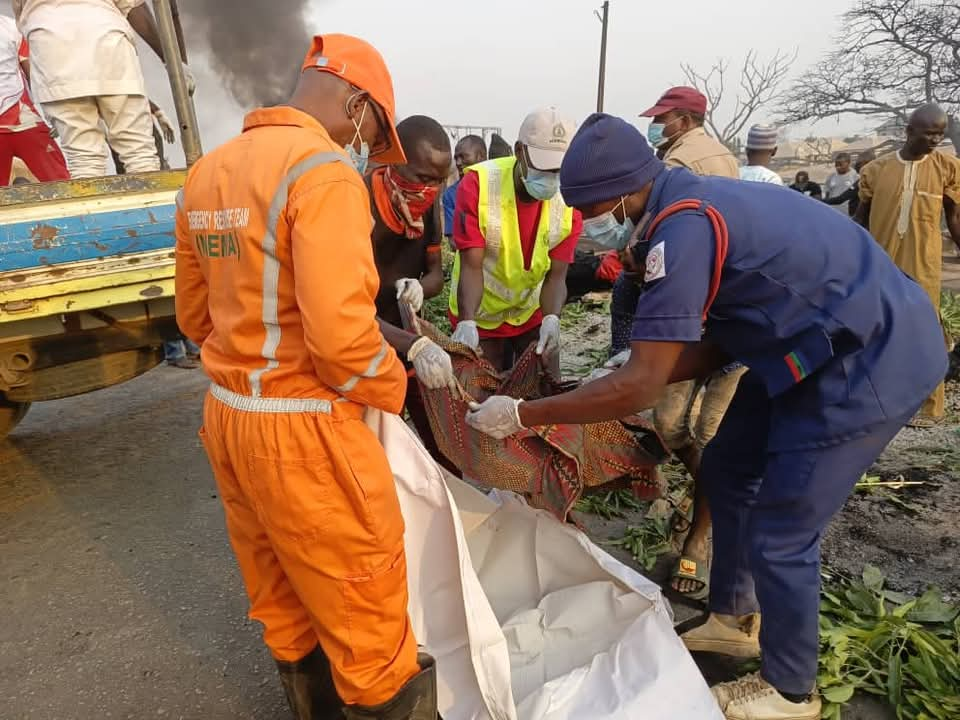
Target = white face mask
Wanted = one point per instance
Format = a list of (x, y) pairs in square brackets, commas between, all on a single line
[(359, 158), (605, 232)]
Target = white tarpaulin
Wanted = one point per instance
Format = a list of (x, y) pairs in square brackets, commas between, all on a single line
[(527, 619)]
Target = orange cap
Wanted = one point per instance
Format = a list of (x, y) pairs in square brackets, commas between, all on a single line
[(359, 63)]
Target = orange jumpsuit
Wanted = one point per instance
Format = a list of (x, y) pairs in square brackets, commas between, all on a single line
[(276, 279)]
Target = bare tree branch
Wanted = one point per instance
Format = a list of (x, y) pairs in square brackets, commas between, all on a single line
[(891, 57), (759, 85)]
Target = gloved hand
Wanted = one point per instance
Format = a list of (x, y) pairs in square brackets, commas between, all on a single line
[(596, 374), (166, 127), (54, 133), (467, 334), (432, 364), (549, 336), (411, 291), (618, 360), (188, 76), (498, 416)]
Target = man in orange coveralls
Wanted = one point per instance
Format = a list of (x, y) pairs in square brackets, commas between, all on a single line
[(276, 281)]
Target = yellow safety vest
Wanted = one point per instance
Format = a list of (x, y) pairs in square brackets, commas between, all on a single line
[(511, 293)]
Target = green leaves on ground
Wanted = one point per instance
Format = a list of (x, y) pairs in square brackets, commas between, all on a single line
[(613, 504), (647, 541), (950, 315), (878, 641)]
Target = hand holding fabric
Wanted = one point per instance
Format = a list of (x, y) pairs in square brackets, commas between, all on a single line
[(498, 416), (432, 364), (549, 335), (618, 360), (467, 334), (410, 290)]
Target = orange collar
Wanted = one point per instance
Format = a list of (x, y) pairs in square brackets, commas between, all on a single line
[(282, 115)]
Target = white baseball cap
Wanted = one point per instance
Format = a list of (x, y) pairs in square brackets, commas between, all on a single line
[(547, 136)]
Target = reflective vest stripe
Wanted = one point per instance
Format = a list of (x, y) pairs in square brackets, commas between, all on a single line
[(271, 263)]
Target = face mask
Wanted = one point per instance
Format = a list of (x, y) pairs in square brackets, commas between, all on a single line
[(541, 185), (655, 133), (411, 201), (603, 232), (359, 159)]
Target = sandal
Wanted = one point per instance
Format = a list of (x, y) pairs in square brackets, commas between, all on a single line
[(924, 422), (682, 519), (689, 569)]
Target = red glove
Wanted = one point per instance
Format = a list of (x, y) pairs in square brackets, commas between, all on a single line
[(610, 266)]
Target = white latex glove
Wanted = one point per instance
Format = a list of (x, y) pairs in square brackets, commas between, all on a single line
[(188, 76), (166, 127), (549, 336), (432, 364), (618, 360), (498, 416), (467, 334), (411, 291)]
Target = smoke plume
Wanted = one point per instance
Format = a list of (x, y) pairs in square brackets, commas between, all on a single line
[(254, 46)]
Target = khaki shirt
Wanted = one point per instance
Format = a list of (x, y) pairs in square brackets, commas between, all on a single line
[(702, 155)]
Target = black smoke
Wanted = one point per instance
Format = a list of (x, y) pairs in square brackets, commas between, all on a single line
[(254, 46)]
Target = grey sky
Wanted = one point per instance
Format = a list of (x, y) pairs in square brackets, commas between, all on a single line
[(490, 63)]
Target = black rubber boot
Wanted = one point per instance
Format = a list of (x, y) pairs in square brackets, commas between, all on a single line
[(309, 687), (417, 700)]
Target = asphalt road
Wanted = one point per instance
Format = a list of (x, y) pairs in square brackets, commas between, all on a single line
[(119, 592)]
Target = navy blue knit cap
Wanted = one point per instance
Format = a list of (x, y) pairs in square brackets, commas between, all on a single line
[(607, 158)]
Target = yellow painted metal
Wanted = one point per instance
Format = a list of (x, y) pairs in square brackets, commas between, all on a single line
[(134, 288), (65, 190)]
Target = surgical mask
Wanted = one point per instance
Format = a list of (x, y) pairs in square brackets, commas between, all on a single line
[(604, 232), (540, 184), (359, 159), (656, 133)]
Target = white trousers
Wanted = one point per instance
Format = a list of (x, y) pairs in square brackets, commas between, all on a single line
[(127, 127)]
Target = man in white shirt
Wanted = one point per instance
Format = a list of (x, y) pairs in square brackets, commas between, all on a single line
[(761, 147), (86, 71), (841, 181), (23, 133)]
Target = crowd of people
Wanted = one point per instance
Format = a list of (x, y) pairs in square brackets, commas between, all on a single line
[(771, 352)]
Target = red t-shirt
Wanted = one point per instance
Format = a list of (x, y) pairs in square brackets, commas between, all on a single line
[(467, 234)]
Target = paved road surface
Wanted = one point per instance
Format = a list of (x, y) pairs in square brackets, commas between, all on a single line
[(119, 592)]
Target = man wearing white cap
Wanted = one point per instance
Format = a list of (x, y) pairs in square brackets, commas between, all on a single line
[(515, 237), (761, 147)]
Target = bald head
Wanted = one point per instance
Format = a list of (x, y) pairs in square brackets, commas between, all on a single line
[(925, 131)]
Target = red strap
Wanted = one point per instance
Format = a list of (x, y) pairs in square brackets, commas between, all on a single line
[(720, 234)]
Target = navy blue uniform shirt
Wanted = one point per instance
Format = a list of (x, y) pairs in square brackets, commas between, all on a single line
[(807, 300)]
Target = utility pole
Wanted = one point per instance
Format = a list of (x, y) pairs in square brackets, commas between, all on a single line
[(603, 52)]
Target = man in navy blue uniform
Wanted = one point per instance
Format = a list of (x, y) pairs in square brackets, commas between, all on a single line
[(841, 349)]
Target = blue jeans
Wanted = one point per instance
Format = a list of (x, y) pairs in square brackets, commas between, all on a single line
[(178, 349), (770, 510)]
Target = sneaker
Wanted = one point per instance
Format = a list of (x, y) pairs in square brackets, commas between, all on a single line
[(727, 635), (753, 698)]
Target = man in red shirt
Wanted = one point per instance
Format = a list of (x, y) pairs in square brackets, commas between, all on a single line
[(515, 237), (23, 133)]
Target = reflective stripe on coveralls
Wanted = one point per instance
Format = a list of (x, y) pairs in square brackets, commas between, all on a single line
[(511, 293)]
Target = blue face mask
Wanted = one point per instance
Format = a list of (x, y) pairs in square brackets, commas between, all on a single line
[(603, 232), (655, 133), (358, 158), (540, 184)]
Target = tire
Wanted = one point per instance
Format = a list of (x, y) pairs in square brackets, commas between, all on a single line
[(11, 413)]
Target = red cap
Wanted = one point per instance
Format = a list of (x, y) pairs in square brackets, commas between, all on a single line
[(679, 98), (359, 63)]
